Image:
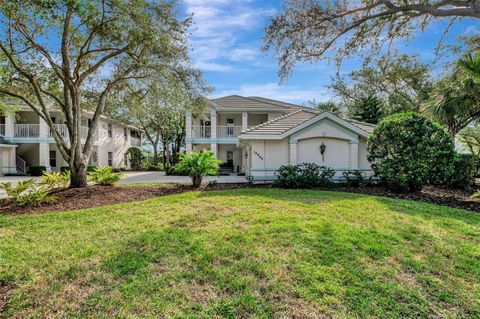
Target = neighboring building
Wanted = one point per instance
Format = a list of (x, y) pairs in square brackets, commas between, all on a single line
[(25, 140), (255, 136)]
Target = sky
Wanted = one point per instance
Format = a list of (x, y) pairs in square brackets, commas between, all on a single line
[(226, 38)]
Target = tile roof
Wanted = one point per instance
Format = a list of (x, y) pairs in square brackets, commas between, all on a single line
[(241, 102), (284, 123)]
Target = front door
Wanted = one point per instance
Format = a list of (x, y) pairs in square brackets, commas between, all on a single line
[(230, 159), (230, 125), (205, 129)]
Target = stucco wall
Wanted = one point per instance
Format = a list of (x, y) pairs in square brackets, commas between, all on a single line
[(7, 160), (335, 156)]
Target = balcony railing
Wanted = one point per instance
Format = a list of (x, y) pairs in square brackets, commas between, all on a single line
[(222, 131), (63, 131), (136, 142), (228, 131), (27, 130), (2, 129)]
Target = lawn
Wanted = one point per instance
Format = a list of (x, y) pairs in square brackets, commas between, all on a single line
[(250, 253)]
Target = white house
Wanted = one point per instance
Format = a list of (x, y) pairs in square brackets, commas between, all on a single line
[(25, 140), (255, 136)]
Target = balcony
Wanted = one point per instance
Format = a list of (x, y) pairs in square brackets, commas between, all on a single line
[(63, 131), (136, 142), (223, 132), (26, 130)]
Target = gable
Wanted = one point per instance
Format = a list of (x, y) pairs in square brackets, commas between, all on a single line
[(325, 128)]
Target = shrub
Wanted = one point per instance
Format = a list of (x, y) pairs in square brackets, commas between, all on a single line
[(464, 171), (27, 193), (37, 170), (135, 156), (304, 175), (406, 150), (56, 180), (198, 165), (355, 178), (104, 176)]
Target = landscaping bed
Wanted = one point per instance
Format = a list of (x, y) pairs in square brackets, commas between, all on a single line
[(95, 196)]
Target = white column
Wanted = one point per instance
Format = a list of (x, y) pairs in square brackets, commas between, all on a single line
[(188, 131), (244, 121), (13, 161), (353, 155), (214, 148), (213, 124), (9, 125), (43, 129), (44, 155), (293, 152)]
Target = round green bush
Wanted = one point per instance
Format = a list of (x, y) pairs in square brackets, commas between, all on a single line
[(407, 151)]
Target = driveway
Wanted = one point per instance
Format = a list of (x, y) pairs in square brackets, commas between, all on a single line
[(140, 178)]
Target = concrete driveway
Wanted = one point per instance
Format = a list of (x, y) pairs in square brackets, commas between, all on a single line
[(140, 178)]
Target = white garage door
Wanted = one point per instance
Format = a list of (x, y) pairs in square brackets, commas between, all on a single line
[(335, 155)]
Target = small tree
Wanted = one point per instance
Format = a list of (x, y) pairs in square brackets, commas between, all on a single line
[(136, 158), (368, 109), (407, 150), (198, 165)]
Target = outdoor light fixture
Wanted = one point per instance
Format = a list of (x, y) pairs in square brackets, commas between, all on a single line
[(323, 147)]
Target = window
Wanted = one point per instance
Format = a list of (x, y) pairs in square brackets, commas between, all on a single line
[(110, 159), (54, 119), (53, 158), (110, 130), (125, 159), (125, 133)]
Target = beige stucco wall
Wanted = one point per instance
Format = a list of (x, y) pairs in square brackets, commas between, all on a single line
[(7, 160), (345, 150)]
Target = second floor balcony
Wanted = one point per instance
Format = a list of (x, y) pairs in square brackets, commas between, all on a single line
[(32, 131), (222, 132)]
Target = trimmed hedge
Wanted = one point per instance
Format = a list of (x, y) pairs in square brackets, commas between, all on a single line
[(304, 175), (37, 170)]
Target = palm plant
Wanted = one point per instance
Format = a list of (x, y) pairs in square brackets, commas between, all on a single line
[(198, 165)]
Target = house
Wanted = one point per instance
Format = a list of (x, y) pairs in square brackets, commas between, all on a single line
[(255, 136), (26, 140)]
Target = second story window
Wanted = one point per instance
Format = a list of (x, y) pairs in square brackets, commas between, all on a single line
[(125, 133), (110, 159), (110, 130)]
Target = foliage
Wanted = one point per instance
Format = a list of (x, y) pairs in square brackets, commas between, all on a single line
[(355, 178), (71, 56), (37, 170), (406, 149), (465, 169), (104, 176), (135, 156), (65, 169), (304, 175), (402, 84), (197, 165), (56, 180), (469, 137), (309, 31), (27, 193), (368, 109), (331, 106), (242, 245)]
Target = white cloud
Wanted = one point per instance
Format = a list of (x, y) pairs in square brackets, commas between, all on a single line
[(217, 31), (287, 93)]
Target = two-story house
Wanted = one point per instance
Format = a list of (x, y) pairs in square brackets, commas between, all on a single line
[(26, 140), (255, 136)]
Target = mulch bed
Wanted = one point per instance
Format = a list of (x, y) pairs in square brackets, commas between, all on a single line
[(95, 196), (5, 290)]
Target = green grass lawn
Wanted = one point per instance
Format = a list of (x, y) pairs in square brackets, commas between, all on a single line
[(251, 253)]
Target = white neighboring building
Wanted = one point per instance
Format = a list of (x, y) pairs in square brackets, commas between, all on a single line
[(25, 141), (255, 136)]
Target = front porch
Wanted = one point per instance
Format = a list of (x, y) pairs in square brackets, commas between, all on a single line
[(232, 157)]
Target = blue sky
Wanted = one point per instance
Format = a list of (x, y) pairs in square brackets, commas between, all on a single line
[(226, 40)]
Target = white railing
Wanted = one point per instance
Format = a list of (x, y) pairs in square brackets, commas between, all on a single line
[(63, 131), (228, 131), (2, 129), (27, 130), (201, 131), (136, 142), (21, 165)]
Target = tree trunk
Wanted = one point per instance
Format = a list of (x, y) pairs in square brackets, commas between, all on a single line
[(78, 175), (155, 154)]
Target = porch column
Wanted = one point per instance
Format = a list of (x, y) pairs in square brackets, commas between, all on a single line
[(188, 131), (44, 155), (353, 155), (43, 130), (244, 121), (213, 125), (9, 125), (293, 152), (214, 148)]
